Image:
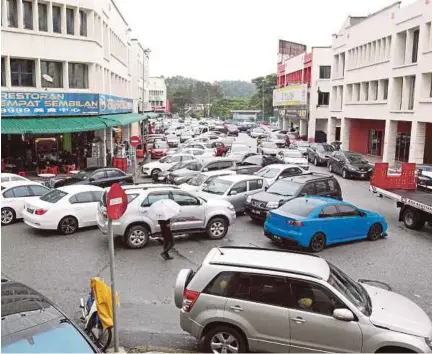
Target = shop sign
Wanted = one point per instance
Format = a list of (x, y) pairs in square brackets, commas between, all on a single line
[(292, 95), (28, 104), (300, 112)]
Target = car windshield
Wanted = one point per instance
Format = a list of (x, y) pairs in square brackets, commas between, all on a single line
[(258, 130), (178, 166), (239, 148), (268, 173), (53, 196), (161, 144), (292, 153), (355, 158), (284, 188), (269, 145), (197, 180), (326, 148), (299, 206), (83, 174), (351, 289), (217, 186)]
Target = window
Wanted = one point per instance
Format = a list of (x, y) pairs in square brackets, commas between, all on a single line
[(78, 75), (321, 301), (253, 160), (83, 23), (69, 21), (22, 72), (97, 195), (385, 89), (240, 187), (184, 199), (38, 190), (308, 189), (321, 187), (414, 54), (21, 192), (374, 89), (56, 14), (332, 185), (84, 197), (212, 167), (3, 71), (221, 285), (225, 164), (255, 184), (411, 83), (324, 72), (328, 211), (194, 166), (114, 174), (346, 210), (12, 13), (292, 171), (153, 198), (366, 91), (54, 69), (299, 207), (9, 194), (28, 14), (323, 98), (43, 17), (15, 178), (53, 197), (98, 175)]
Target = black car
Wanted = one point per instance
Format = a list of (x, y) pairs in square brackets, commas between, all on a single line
[(97, 176), (350, 165), (285, 189), (232, 130), (33, 324), (424, 177), (319, 153), (254, 163)]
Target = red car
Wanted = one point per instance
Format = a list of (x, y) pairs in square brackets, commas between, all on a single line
[(159, 149)]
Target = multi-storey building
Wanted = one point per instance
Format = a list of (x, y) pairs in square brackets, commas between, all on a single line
[(70, 74), (381, 84), (158, 94)]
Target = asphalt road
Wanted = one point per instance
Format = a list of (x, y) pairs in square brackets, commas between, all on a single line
[(61, 267)]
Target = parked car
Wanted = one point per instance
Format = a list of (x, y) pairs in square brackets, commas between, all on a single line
[(96, 176), (223, 304), (64, 209), (234, 189), (15, 195), (319, 153), (162, 176), (197, 215), (232, 130), (33, 324), (185, 135), (350, 165), (337, 145), (159, 150), (301, 146), (259, 133), (12, 177), (197, 182), (293, 157), (214, 164), (172, 140), (200, 153), (277, 171), (150, 139), (254, 163), (268, 148), (289, 188), (424, 177), (317, 222), (153, 168), (238, 151)]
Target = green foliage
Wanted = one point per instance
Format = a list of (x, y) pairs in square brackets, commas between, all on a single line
[(236, 89), (264, 87), (223, 107)]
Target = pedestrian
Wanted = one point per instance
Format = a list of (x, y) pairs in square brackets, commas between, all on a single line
[(168, 239), (149, 129)]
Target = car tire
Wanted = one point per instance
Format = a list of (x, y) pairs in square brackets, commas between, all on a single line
[(330, 168), (154, 173), (8, 216), (316, 161), (344, 174), (68, 225), (317, 242), (218, 337), (217, 228), (136, 236), (412, 219), (375, 232)]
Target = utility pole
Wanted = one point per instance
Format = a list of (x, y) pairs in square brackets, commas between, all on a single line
[(263, 91), (208, 93)]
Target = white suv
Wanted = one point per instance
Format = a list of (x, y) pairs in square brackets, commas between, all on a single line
[(197, 215)]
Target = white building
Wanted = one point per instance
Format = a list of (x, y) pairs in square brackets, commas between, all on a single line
[(68, 58), (158, 93), (381, 84)]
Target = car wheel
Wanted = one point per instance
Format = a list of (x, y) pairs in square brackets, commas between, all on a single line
[(8, 216), (318, 242), (68, 225), (315, 161), (217, 228), (344, 174), (154, 173), (412, 219), (137, 236), (375, 232), (224, 339), (330, 167)]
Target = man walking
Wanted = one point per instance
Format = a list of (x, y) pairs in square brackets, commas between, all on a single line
[(168, 239)]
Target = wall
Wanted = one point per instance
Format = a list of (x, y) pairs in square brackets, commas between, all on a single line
[(360, 130)]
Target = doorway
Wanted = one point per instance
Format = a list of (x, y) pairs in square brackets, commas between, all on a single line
[(402, 147), (375, 142)]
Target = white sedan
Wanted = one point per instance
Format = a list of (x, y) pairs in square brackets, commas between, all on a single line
[(153, 168), (196, 183), (12, 177), (293, 157), (13, 197), (64, 209), (273, 172)]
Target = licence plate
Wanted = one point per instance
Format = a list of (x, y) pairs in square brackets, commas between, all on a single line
[(362, 174), (30, 210), (256, 212)]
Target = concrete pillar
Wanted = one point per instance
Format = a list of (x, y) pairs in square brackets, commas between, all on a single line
[(8, 72), (50, 17), (408, 47), (280, 121), (135, 129), (311, 129), (108, 134), (102, 135), (76, 22), (4, 13), (20, 14), (66, 75), (345, 133), (35, 15), (303, 127), (285, 125), (405, 93), (417, 143), (38, 73), (63, 19), (331, 129), (390, 134)]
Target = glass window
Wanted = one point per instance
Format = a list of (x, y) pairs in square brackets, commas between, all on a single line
[(329, 211), (114, 174), (221, 285), (240, 187), (212, 166), (194, 166), (217, 186), (3, 71), (17, 178), (12, 13), (83, 23), (54, 69), (225, 164), (175, 159), (308, 189), (268, 173), (54, 196), (22, 72), (324, 72), (43, 17), (28, 14), (346, 210), (98, 175), (415, 47), (255, 184), (84, 197), (184, 199), (319, 299), (321, 187), (300, 207), (253, 160), (332, 185), (153, 198), (9, 194), (70, 21), (323, 98), (38, 190), (56, 14), (78, 75), (21, 191), (292, 171), (284, 188)]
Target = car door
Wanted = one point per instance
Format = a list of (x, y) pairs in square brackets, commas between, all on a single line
[(114, 176), (254, 297), (322, 189), (313, 328), (255, 186), (15, 198), (237, 195), (192, 212), (311, 152), (151, 198), (99, 178), (354, 225), (339, 162), (84, 207), (329, 223)]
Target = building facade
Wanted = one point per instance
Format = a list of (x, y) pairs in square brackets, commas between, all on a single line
[(158, 94), (381, 84), (70, 73)]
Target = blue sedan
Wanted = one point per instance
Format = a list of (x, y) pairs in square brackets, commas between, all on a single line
[(316, 222)]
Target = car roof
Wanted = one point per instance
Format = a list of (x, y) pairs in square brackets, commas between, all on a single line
[(238, 178), (322, 200), (308, 176), (77, 188), (7, 174), (280, 165), (218, 173), (12, 184), (270, 259), (216, 159)]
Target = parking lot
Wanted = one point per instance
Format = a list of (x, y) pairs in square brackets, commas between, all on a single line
[(61, 266)]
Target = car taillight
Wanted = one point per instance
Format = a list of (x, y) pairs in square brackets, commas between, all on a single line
[(189, 299), (40, 211), (295, 223), (105, 215)]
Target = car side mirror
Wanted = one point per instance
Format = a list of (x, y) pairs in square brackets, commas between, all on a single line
[(343, 315), (233, 193), (362, 214), (91, 179), (205, 170)]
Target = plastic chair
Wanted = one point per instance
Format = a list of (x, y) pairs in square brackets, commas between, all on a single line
[(22, 173), (44, 171)]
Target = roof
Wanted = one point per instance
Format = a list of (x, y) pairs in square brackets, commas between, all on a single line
[(218, 173), (11, 184), (272, 260), (306, 177), (281, 165), (238, 178), (77, 188)]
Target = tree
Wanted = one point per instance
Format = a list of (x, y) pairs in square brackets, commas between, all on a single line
[(264, 87), (223, 107)]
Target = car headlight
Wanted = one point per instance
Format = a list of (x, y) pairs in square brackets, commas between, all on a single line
[(248, 199), (230, 207), (429, 342), (272, 205), (352, 168)]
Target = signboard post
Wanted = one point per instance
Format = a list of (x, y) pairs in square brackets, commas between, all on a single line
[(135, 141), (116, 206)]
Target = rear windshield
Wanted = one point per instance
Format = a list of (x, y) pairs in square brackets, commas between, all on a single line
[(301, 207), (54, 196), (284, 188)]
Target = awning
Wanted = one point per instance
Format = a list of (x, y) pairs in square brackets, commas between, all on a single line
[(122, 119)]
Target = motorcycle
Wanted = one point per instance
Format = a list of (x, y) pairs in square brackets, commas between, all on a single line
[(92, 324)]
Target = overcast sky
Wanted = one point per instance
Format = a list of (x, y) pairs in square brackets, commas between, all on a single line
[(233, 39)]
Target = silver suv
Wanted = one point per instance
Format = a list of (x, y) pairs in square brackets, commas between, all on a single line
[(251, 299), (197, 215)]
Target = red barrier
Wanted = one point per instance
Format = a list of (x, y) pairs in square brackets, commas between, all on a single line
[(405, 180), (120, 163)]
